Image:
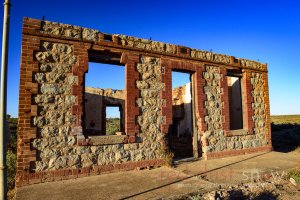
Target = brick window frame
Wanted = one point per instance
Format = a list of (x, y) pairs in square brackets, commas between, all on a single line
[(246, 102), (131, 110)]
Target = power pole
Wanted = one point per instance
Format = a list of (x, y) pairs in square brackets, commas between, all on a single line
[(5, 37)]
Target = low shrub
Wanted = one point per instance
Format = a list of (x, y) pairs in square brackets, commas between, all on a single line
[(112, 126), (11, 159), (295, 174)]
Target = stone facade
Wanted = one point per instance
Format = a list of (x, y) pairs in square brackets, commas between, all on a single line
[(258, 105), (54, 100), (57, 149), (212, 137), (52, 143)]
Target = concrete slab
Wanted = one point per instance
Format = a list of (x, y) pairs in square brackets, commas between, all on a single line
[(244, 168), (141, 184), (165, 182)]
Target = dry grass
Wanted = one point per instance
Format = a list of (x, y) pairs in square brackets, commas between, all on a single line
[(297, 149), (295, 174), (169, 159), (285, 119), (11, 194)]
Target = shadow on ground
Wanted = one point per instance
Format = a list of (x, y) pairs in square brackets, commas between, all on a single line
[(266, 195), (238, 194), (186, 177), (285, 137)]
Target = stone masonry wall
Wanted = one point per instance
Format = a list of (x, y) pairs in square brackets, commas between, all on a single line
[(56, 148), (54, 119), (150, 102), (214, 138), (76, 32), (258, 105)]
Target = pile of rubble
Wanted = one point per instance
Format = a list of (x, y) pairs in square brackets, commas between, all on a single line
[(269, 190)]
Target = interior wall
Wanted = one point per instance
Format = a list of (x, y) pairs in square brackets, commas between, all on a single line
[(235, 103), (182, 109), (96, 100)]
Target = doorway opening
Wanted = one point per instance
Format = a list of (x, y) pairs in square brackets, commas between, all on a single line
[(181, 136)]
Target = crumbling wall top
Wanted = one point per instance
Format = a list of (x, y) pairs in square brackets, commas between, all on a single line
[(65, 31), (119, 94)]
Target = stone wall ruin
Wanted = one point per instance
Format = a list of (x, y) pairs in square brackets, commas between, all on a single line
[(182, 109), (52, 139), (96, 100)]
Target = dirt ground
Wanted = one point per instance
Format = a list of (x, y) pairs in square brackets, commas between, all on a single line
[(268, 190), (183, 181)]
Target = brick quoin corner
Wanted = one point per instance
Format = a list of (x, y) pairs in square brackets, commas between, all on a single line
[(52, 140)]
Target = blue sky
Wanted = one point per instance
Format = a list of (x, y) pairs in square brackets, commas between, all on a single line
[(268, 31)]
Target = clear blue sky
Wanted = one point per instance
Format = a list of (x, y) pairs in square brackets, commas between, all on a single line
[(253, 29)]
